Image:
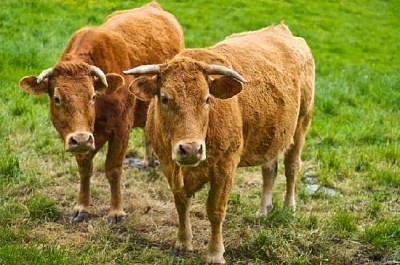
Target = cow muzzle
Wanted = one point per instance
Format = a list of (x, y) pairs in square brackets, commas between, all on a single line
[(79, 142), (189, 153)]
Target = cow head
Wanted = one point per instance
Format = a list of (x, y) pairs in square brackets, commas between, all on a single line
[(183, 90), (72, 89)]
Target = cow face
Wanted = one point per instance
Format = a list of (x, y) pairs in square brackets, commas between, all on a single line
[(72, 90), (183, 93)]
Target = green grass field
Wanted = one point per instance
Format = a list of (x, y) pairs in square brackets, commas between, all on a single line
[(351, 155)]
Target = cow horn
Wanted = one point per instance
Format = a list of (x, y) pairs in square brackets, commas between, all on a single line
[(44, 74), (97, 72), (144, 69), (214, 69)]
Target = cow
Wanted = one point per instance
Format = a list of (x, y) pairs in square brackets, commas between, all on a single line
[(90, 103), (205, 119)]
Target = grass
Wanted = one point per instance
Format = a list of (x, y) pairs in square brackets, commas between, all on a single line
[(352, 146)]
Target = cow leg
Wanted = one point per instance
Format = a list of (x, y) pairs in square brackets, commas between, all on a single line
[(85, 167), (115, 156), (148, 159), (220, 187), (292, 160), (183, 245), (269, 172)]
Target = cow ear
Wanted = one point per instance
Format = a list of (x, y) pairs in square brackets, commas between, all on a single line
[(144, 87), (114, 81), (225, 87), (30, 85)]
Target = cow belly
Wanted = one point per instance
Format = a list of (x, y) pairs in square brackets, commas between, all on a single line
[(261, 147), (251, 159)]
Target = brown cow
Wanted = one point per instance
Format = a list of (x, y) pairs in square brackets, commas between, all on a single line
[(89, 99), (199, 104)]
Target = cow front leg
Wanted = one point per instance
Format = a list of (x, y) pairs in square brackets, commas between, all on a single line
[(116, 214), (183, 245), (114, 160), (220, 187), (216, 215), (85, 167), (269, 172)]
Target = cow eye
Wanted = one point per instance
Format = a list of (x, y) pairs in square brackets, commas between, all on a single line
[(164, 100), (57, 100), (206, 102)]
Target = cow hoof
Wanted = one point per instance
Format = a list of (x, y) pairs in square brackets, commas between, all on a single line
[(263, 211), (78, 216), (176, 252), (217, 263), (220, 261), (115, 220)]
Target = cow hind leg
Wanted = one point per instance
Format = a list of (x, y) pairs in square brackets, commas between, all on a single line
[(269, 171), (292, 160), (148, 159)]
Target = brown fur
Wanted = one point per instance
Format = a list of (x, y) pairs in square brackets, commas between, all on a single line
[(126, 38), (268, 117)]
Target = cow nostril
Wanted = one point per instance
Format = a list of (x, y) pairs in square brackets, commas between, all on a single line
[(90, 140), (200, 150), (72, 141), (182, 150)]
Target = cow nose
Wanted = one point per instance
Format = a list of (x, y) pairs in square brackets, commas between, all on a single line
[(189, 153), (190, 149), (80, 142)]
